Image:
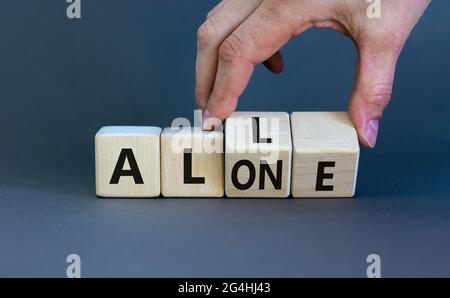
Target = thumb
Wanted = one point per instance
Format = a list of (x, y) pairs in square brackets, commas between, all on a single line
[(372, 91)]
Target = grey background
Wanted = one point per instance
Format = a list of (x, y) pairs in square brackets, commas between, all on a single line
[(132, 63)]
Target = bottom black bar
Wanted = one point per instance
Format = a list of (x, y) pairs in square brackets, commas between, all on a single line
[(221, 287)]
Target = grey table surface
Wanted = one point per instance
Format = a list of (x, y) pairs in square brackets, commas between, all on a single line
[(134, 64)]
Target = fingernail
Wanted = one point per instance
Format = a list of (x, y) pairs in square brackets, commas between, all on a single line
[(371, 132)]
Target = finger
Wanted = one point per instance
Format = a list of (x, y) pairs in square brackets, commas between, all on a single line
[(254, 41), (275, 63), (210, 35), (216, 9), (372, 90)]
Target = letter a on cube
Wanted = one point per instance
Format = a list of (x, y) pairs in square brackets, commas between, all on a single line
[(258, 152), (127, 161), (325, 157)]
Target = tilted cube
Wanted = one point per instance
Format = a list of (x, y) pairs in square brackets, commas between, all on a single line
[(325, 156), (258, 151)]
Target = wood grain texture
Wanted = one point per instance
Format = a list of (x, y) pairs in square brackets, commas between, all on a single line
[(240, 148), (207, 160), (145, 145), (324, 137)]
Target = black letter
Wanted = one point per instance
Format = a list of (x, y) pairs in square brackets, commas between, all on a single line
[(322, 176), (276, 181), (187, 160), (256, 139), (133, 171), (251, 178)]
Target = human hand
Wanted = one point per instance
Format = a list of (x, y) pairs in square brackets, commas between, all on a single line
[(238, 34)]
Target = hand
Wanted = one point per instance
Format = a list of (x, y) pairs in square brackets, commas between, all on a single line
[(238, 34)]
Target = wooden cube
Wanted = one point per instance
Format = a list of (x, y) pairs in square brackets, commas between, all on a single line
[(127, 161), (192, 163), (326, 153), (258, 150)]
